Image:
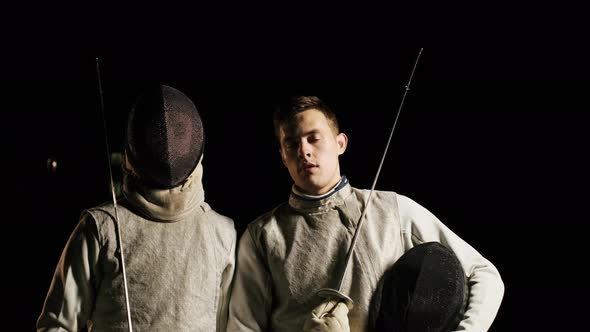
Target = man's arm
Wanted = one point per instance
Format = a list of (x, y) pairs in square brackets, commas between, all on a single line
[(70, 299), (486, 288), (225, 288), (251, 296)]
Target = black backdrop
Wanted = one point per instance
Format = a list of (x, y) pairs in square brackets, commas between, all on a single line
[(491, 140)]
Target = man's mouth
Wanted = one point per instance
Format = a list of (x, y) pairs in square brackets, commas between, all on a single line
[(307, 166)]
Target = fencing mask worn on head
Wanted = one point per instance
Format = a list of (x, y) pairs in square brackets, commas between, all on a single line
[(165, 137), (425, 290)]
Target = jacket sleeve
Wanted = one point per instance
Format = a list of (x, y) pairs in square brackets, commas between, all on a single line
[(225, 288), (251, 295), (486, 288), (70, 300)]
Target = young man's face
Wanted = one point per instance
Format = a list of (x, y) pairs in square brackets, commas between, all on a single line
[(310, 150)]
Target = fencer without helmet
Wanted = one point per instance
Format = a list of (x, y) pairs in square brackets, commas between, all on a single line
[(164, 138)]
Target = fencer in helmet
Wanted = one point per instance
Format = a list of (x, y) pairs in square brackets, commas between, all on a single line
[(178, 252)]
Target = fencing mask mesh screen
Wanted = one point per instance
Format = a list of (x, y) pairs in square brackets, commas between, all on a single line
[(425, 290), (164, 137)]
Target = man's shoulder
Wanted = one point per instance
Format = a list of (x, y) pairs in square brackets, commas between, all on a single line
[(106, 213), (102, 218), (217, 217), (101, 212), (379, 194), (222, 226), (268, 218)]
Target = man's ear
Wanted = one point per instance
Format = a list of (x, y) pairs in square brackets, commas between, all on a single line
[(342, 141)]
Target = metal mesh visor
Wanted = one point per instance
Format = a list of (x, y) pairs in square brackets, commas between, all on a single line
[(425, 290), (165, 137)]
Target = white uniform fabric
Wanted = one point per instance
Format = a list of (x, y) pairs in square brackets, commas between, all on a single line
[(179, 263), (288, 254)]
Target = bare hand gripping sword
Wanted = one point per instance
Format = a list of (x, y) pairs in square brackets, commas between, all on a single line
[(114, 198), (330, 293)]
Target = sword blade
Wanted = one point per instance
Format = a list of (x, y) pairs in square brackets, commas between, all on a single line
[(328, 292), (114, 198)]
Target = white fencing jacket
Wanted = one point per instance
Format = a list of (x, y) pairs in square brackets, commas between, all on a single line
[(288, 254), (179, 258)]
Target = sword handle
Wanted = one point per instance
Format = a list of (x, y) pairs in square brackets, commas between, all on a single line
[(330, 293)]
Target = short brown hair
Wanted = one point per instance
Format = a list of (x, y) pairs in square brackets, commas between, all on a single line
[(286, 111)]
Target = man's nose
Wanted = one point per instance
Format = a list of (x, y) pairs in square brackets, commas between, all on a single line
[(304, 150)]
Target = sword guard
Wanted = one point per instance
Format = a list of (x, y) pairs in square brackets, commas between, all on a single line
[(329, 293)]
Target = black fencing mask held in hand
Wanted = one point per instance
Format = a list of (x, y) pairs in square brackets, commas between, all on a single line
[(425, 291)]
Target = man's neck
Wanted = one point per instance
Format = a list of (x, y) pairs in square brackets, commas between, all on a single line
[(343, 181)]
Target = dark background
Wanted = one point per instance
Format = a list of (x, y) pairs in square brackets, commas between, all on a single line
[(491, 137)]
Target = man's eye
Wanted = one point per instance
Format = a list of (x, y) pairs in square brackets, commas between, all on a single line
[(313, 139)]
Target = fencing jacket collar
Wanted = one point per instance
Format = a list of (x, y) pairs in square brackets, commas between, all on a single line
[(167, 205), (343, 182), (309, 203)]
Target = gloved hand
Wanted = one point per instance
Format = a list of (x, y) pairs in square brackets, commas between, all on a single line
[(329, 316)]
